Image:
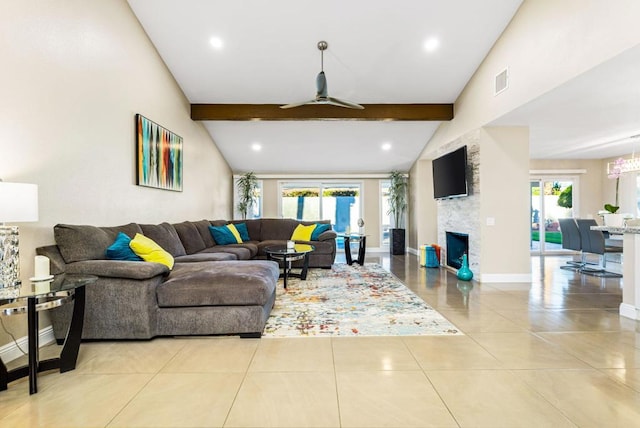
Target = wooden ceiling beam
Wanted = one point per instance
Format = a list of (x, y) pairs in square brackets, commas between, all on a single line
[(371, 112)]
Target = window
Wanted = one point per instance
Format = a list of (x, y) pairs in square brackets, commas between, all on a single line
[(385, 218), (339, 202)]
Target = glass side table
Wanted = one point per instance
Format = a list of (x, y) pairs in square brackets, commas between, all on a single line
[(362, 246), (41, 296), (281, 253)]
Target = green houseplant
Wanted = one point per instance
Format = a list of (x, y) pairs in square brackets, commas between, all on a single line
[(398, 187), (247, 192)]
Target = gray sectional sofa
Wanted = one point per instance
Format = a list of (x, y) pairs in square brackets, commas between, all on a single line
[(212, 289)]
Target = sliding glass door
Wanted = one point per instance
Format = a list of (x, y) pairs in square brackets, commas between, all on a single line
[(339, 202), (552, 198)]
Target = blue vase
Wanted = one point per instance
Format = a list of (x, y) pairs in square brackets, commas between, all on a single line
[(464, 273)]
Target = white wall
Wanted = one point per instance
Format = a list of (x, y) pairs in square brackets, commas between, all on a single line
[(73, 75)]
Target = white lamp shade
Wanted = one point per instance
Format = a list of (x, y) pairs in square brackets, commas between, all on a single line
[(18, 202)]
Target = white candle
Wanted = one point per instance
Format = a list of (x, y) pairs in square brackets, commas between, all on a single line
[(41, 267), (42, 287)]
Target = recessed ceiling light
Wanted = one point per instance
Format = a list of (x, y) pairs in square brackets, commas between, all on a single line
[(216, 42), (431, 44), (256, 147), (386, 146)]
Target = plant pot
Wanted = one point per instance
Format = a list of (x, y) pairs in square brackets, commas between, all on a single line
[(397, 244), (613, 220)]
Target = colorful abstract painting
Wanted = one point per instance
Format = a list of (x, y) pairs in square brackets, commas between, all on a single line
[(159, 156)]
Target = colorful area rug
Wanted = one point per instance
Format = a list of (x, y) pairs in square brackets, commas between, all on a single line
[(352, 301)]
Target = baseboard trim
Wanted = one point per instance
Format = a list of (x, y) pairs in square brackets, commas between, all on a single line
[(629, 311), (505, 277), (10, 351)]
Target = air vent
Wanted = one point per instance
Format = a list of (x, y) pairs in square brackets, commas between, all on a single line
[(502, 81)]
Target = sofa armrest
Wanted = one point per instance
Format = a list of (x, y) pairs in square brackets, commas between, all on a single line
[(118, 269), (327, 235)]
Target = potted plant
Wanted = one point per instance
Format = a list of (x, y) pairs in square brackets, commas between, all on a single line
[(610, 214), (247, 192), (397, 209)]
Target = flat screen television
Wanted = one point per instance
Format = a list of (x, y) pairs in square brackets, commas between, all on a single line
[(450, 174)]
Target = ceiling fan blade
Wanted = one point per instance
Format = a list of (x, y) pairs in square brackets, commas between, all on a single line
[(342, 103), (298, 104)]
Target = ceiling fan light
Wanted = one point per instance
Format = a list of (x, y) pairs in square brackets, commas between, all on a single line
[(322, 96)]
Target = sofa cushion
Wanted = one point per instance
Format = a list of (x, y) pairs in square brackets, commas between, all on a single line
[(120, 249), (278, 229), (206, 257), (165, 235), (219, 284), (302, 232), (190, 237), (238, 250), (81, 242), (253, 228), (120, 269), (150, 251), (242, 230), (205, 233), (251, 246), (320, 228), (225, 235)]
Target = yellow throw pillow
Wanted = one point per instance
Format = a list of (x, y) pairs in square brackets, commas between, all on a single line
[(234, 231), (149, 251), (303, 233)]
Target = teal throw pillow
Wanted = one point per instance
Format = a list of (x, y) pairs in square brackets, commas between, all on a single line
[(120, 249), (222, 235), (320, 227), (244, 232)]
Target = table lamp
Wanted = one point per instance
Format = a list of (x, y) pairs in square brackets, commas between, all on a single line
[(18, 203)]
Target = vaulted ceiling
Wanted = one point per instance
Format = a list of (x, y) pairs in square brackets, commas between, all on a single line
[(403, 52)]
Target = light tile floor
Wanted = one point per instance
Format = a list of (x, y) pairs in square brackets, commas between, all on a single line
[(552, 353)]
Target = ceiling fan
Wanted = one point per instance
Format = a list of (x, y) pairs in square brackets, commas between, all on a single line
[(322, 95)]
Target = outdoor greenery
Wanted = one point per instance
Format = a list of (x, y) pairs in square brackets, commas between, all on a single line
[(247, 192), (314, 193), (565, 200), (305, 193), (397, 198), (550, 237), (340, 192)]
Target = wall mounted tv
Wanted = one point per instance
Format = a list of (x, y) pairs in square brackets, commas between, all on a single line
[(450, 174)]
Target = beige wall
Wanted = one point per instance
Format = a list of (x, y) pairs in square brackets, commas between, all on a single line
[(74, 74), (504, 199), (423, 211)]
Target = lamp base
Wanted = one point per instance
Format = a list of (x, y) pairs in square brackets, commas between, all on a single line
[(9, 262)]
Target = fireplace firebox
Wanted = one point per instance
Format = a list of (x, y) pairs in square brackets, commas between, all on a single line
[(457, 245)]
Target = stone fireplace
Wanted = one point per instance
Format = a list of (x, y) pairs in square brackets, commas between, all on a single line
[(457, 245)]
